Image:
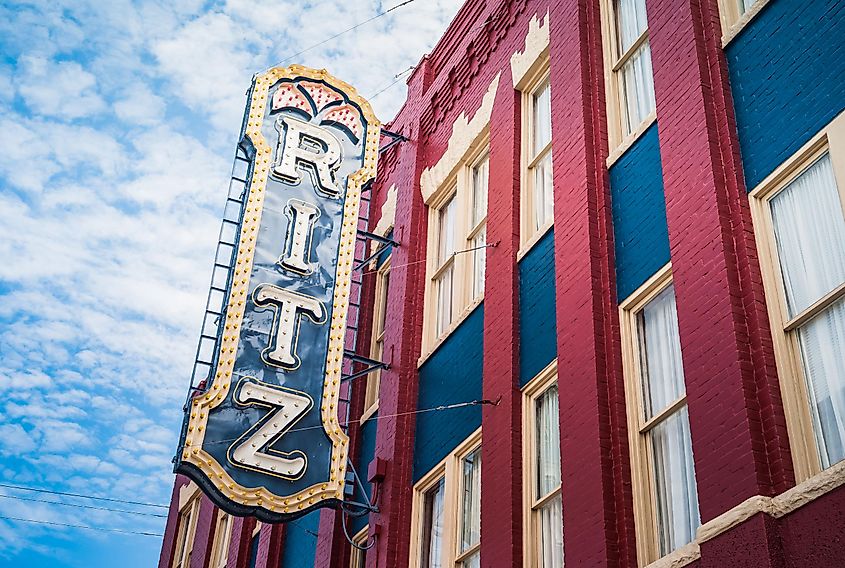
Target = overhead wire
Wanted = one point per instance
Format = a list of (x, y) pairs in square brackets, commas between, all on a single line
[(82, 506), (103, 529), (82, 496)]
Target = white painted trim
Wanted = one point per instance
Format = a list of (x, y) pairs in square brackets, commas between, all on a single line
[(738, 26), (536, 43), (466, 136)]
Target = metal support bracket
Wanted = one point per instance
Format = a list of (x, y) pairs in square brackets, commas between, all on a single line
[(385, 242), (395, 138), (371, 365)]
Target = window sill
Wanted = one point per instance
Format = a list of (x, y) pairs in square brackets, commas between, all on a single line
[(529, 244), (740, 24), (452, 327), (368, 413), (629, 140)]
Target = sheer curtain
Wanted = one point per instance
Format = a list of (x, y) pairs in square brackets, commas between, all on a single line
[(542, 174), (471, 507), (550, 515), (810, 232), (432, 549), (663, 383), (637, 82), (445, 250), (480, 182)]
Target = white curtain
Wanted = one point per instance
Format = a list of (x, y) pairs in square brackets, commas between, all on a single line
[(471, 505), (480, 181), (543, 195), (636, 82), (674, 472), (446, 231), (660, 352), (551, 534), (479, 258), (444, 299), (433, 545), (744, 5), (663, 383), (810, 234), (548, 443), (542, 103)]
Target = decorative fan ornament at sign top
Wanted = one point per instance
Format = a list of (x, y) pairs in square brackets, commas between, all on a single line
[(263, 438)]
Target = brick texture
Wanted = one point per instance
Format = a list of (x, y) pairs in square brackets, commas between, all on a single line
[(596, 492), (168, 544), (501, 449), (738, 430)]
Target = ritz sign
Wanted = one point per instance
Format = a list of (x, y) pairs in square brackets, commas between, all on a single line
[(263, 438)]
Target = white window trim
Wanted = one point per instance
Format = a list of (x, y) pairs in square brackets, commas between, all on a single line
[(794, 389), (732, 21), (528, 236), (189, 508), (618, 143), (220, 547), (530, 392), (463, 303), (448, 469), (372, 381), (360, 539)]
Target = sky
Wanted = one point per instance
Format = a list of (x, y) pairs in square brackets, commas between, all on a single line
[(118, 124)]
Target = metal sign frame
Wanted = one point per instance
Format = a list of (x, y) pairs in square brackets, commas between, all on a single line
[(192, 459)]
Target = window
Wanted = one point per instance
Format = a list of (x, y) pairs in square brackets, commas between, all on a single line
[(457, 247), (734, 14), (444, 274), (541, 431), (359, 552), (446, 530), (187, 526), (222, 536), (477, 239), (800, 224), (469, 520), (377, 341), (630, 83), (537, 201), (665, 496)]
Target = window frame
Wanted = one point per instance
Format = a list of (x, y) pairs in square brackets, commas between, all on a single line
[(733, 21), (528, 235), (531, 392), (619, 142), (373, 380), (222, 538), (357, 555), (449, 470), (458, 186), (793, 382), (641, 453), (186, 528)]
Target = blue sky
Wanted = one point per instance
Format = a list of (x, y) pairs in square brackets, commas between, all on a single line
[(118, 122)]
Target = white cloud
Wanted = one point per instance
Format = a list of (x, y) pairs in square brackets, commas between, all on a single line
[(60, 89)]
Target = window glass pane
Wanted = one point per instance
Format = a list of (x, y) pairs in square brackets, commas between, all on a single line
[(542, 116), (660, 353), (548, 442), (432, 537), (472, 561), (550, 520), (543, 196), (744, 5), (446, 228), (631, 22), (637, 89), (823, 351), (444, 299), (479, 257), (471, 501), (674, 477), (810, 232), (480, 177)]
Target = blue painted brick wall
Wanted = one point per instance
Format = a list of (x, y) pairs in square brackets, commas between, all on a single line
[(301, 541), (537, 325), (451, 375), (641, 234), (787, 70), (362, 464)]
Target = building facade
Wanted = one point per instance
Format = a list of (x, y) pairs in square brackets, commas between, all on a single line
[(615, 317)]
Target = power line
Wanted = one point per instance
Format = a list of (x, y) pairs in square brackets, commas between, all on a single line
[(66, 494), (81, 506), (337, 35), (103, 529)]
